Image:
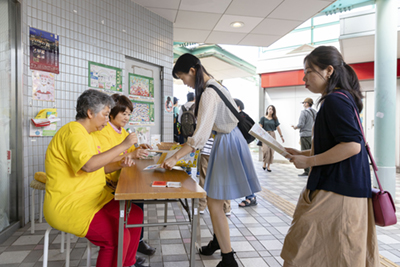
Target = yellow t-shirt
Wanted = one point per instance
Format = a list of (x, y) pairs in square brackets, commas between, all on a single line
[(109, 138), (73, 196)]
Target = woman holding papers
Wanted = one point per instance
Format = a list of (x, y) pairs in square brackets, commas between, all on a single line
[(333, 221), (230, 172), (270, 123)]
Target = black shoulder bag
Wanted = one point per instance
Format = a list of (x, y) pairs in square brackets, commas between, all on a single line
[(245, 122)]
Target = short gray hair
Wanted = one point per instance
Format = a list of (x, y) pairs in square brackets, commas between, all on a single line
[(92, 100)]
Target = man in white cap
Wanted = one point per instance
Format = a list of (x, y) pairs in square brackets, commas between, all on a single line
[(306, 122)]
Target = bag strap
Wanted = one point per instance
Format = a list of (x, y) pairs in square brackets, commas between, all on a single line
[(366, 144), (227, 102)]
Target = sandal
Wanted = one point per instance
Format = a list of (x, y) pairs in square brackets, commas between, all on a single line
[(252, 202)]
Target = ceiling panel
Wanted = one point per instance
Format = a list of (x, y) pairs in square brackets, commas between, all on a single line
[(249, 23), (169, 14), (210, 6), (298, 10), (276, 26), (170, 4), (265, 21), (195, 36), (254, 8), (225, 37), (196, 20)]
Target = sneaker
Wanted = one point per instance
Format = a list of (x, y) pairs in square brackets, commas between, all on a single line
[(303, 174), (228, 213), (201, 211)]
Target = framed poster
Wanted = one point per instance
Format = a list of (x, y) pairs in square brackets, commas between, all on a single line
[(141, 85), (44, 53), (105, 77), (42, 85), (143, 134), (143, 112), (168, 105)]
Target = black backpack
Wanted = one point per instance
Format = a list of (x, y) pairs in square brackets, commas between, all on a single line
[(188, 121)]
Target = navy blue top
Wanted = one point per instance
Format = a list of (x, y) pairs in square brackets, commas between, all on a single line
[(336, 122)]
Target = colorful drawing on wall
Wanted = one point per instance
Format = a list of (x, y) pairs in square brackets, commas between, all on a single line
[(143, 112), (143, 134), (168, 106), (44, 53), (141, 85), (43, 85), (105, 77)]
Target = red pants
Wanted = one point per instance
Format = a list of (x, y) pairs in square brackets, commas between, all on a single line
[(103, 232)]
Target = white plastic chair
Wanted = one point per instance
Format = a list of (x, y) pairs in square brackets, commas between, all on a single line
[(67, 259)]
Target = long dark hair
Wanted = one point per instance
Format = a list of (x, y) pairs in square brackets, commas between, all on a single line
[(343, 75), (273, 114), (183, 65)]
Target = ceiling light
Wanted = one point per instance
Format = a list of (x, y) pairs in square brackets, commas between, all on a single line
[(237, 24)]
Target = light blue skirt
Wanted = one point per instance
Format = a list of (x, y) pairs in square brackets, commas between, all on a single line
[(230, 172)]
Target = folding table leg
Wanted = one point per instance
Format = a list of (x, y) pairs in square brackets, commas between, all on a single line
[(195, 218), (121, 231)]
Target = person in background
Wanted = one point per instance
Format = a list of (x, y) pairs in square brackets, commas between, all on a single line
[(270, 123), (204, 158), (190, 102), (176, 123), (334, 220), (230, 171), (77, 200), (112, 135), (306, 122), (250, 200)]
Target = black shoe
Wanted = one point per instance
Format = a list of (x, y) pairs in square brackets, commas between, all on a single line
[(228, 260), (264, 168), (210, 248), (303, 174), (269, 170), (145, 248), (138, 265), (140, 260)]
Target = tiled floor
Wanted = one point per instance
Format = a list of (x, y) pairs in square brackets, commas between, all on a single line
[(257, 232)]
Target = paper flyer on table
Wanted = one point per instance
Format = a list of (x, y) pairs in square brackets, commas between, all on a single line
[(266, 138)]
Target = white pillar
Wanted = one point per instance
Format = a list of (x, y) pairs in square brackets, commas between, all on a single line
[(385, 92)]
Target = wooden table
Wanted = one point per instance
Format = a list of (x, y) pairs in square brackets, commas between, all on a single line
[(135, 184)]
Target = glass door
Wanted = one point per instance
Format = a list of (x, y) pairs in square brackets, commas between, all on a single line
[(8, 183)]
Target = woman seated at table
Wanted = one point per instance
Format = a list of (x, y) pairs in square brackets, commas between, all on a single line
[(77, 200), (114, 134)]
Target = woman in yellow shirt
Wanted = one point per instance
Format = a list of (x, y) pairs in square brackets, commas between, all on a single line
[(77, 199), (114, 134)]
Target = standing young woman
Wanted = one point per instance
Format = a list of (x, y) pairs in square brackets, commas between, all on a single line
[(230, 172), (333, 224), (270, 123)]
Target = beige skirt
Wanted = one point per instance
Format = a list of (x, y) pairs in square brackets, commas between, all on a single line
[(331, 230)]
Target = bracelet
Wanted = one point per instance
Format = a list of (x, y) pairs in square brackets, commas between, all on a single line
[(281, 135)]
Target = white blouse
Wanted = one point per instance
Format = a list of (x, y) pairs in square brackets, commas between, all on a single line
[(213, 115)]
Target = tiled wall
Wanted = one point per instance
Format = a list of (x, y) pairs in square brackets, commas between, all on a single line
[(103, 31)]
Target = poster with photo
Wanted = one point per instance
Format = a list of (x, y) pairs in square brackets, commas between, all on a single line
[(105, 77), (141, 85), (143, 134), (168, 105), (44, 52), (43, 86), (143, 112)]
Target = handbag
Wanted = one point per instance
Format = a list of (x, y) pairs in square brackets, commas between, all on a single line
[(245, 122), (382, 201)]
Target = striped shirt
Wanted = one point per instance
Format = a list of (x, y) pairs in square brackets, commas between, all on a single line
[(207, 147)]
